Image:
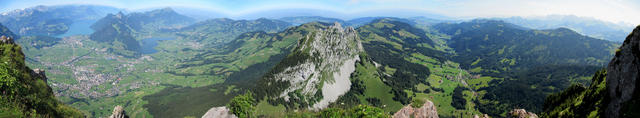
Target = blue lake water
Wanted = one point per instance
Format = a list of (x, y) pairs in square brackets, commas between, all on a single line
[(148, 45), (79, 28)]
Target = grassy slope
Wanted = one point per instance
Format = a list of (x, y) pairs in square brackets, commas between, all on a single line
[(578, 101), (23, 94)]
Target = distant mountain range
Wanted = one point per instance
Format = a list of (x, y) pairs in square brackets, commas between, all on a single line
[(51, 20), (585, 25), (57, 19), (223, 30)]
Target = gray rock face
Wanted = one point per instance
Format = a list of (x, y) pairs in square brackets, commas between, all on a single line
[(521, 113), (40, 74), (624, 71), (219, 112), (6, 40), (426, 111), (118, 112), (483, 116), (332, 53)]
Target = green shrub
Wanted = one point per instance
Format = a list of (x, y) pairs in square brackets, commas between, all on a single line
[(243, 105)]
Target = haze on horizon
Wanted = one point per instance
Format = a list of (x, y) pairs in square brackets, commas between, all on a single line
[(617, 11)]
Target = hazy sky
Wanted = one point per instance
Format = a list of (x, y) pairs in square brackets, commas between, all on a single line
[(609, 10)]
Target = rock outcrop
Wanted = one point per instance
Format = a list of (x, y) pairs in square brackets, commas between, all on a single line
[(624, 72), (118, 112), (6, 40), (39, 73), (521, 113), (428, 110), (219, 112), (483, 116)]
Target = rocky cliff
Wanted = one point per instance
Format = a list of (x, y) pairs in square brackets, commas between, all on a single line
[(426, 111), (622, 80), (317, 71)]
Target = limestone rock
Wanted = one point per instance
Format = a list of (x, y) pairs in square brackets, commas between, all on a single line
[(218, 112), (39, 73), (521, 113), (428, 110), (483, 116), (624, 71), (326, 59), (118, 112), (6, 40)]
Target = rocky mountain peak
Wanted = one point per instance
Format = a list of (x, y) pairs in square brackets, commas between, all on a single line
[(119, 15), (325, 60), (624, 72)]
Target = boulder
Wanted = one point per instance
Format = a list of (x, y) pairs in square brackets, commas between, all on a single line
[(428, 110), (521, 113), (118, 112), (219, 112)]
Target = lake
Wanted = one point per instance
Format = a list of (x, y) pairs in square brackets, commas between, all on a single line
[(79, 28), (149, 44)]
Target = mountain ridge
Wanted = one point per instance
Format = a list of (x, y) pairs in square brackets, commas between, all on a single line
[(327, 58)]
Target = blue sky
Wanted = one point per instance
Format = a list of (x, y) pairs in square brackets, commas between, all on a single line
[(608, 10)]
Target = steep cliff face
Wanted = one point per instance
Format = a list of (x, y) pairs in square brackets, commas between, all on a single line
[(622, 80), (426, 111), (318, 70)]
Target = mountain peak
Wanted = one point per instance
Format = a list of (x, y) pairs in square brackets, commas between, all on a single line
[(164, 10), (167, 9), (336, 24), (322, 64)]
